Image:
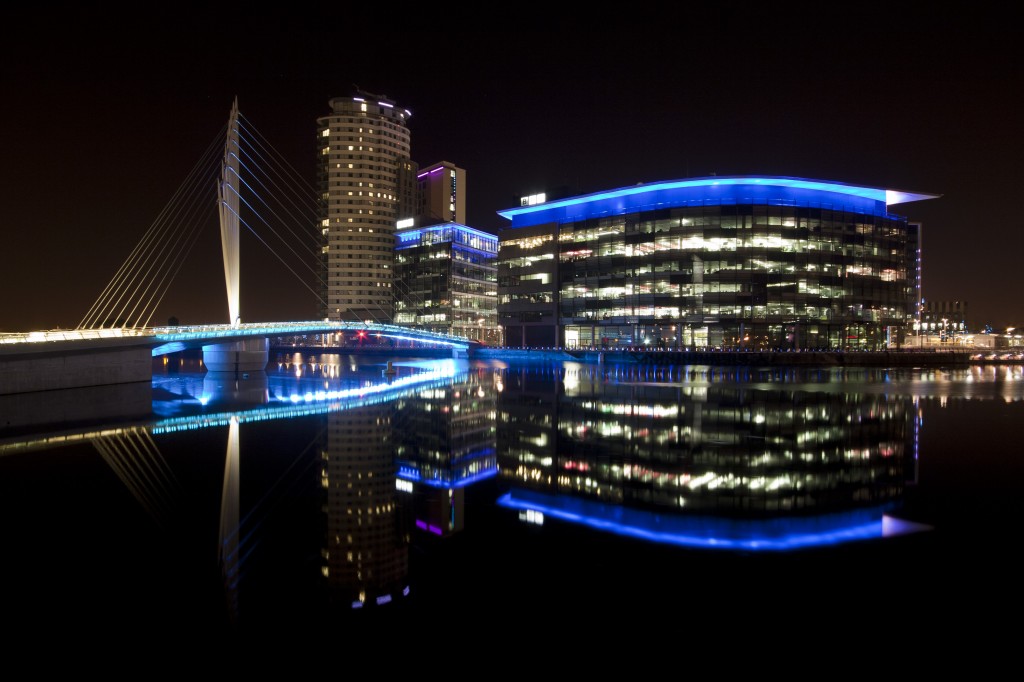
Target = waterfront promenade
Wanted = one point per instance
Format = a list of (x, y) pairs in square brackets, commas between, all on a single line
[(807, 358)]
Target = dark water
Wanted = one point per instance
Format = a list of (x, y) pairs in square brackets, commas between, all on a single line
[(459, 498)]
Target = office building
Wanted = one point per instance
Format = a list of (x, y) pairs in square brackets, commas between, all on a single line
[(743, 262), (366, 182), (945, 319), (446, 281)]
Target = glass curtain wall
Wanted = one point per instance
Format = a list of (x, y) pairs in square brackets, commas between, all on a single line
[(744, 276)]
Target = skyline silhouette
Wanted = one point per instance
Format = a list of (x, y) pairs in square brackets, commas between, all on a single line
[(107, 114)]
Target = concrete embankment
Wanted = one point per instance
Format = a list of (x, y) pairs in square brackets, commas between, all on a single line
[(25, 368)]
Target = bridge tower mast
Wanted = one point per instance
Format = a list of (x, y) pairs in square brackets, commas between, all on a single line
[(227, 195), (247, 355)]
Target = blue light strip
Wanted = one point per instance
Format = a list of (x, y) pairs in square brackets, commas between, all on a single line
[(313, 403), (167, 348), (209, 334), (413, 236), (410, 473), (653, 194), (712, 533)]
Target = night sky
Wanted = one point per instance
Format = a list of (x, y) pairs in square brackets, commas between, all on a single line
[(105, 111)]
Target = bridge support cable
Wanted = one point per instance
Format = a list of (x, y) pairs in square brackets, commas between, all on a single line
[(280, 181), (268, 177), (303, 258), (169, 264), (277, 207), (257, 235), (137, 461), (146, 274), (170, 273)]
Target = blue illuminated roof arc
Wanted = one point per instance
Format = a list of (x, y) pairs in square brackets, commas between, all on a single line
[(675, 192)]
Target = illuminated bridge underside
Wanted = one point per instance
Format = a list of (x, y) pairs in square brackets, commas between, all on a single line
[(59, 359)]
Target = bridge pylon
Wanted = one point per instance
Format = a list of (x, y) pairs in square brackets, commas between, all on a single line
[(248, 355)]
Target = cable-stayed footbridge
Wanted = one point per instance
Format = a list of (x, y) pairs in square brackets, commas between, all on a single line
[(114, 342)]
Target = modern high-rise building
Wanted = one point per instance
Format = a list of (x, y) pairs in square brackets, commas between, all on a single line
[(365, 178), (743, 262), (446, 281)]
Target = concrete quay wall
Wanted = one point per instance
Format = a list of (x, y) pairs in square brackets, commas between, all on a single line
[(22, 413), (28, 368)]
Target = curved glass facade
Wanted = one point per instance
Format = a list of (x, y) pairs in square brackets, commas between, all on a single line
[(763, 265)]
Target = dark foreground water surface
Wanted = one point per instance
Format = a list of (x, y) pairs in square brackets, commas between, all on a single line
[(454, 500)]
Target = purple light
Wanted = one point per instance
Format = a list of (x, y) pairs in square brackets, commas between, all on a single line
[(422, 525), (430, 172), (892, 526)]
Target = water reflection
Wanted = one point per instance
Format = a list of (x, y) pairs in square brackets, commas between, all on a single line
[(444, 442), (366, 549), (702, 460), (333, 490)]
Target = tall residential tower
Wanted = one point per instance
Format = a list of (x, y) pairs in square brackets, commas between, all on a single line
[(364, 165)]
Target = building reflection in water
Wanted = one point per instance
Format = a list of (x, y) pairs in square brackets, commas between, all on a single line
[(679, 456), (444, 442), (367, 549), (327, 476), (363, 516), (397, 468)]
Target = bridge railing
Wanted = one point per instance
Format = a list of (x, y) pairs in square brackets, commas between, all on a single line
[(72, 335), (220, 330)]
